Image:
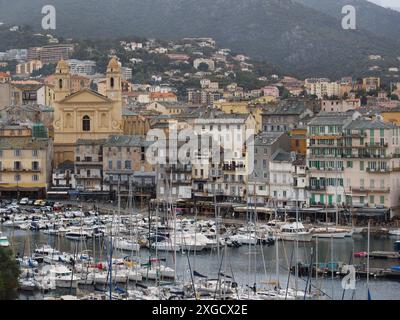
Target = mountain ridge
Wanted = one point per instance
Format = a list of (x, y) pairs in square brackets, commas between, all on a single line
[(303, 40)]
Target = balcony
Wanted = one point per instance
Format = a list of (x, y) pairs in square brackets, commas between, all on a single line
[(369, 190), (326, 170), (216, 173), (89, 163), (78, 176), (376, 145), (371, 170), (355, 135), (178, 168), (38, 169), (316, 188)]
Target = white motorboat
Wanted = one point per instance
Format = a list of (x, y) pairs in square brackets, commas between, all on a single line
[(77, 235), (126, 244), (294, 232), (157, 272), (62, 277), (4, 242), (46, 250), (27, 262), (329, 232), (395, 232), (101, 277), (27, 284), (165, 246), (134, 275), (244, 239)]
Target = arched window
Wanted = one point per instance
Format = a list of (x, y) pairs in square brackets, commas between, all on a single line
[(86, 123), (112, 82), (60, 83)]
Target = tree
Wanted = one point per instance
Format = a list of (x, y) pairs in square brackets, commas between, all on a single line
[(203, 67), (9, 273), (46, 70)]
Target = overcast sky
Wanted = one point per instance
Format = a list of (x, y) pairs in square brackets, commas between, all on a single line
[(387, 3)]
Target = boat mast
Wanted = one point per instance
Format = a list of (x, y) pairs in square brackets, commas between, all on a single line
[(277, 249), (368, 249)]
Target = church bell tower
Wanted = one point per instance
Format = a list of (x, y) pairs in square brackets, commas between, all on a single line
[(114, 89), (62, 86)]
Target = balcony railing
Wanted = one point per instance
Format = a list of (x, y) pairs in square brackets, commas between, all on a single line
[(374, 170), (370, 189), (38, 169)]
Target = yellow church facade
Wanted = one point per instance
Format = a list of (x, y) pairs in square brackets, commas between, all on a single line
[(85, 114)]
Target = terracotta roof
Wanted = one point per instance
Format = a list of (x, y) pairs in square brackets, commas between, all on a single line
[(162, 95)]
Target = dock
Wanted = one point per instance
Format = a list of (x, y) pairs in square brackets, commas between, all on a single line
[(384, 255)]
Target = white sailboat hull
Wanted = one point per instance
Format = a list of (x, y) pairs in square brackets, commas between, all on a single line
[(295, 237)]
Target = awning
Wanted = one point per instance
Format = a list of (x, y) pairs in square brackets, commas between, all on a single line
[(20, 189)]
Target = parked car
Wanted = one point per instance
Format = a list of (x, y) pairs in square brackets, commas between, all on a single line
[(57, 206), (24, 201), (39, 203)]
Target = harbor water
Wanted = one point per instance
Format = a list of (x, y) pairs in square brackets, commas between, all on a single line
[(248, 265)]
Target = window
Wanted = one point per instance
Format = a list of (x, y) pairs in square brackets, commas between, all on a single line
[(35, 165), (17, 152), (1, 153), (17, 165), (86, 123), (371, 199), (361, 165), (128, 165), (112, 82), (17, 177), (35, 177), (349, 164), (119, 164), (35, 153), (382, 199), (110, 164)]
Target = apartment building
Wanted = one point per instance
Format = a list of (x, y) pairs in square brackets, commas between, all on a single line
[(286, 117), (353, 161), (89, 165), (229, 133), (26, 68), (126, 168), (266, 145), (340, 105), (288, 180), (372, 170), (50, 53), (371, 83), (81, 67), (325, 157), (322, 88), (25, 163)]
